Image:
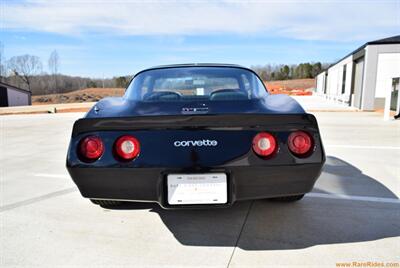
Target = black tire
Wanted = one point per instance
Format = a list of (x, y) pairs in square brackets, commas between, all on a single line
[(292, 198), (106, 203)]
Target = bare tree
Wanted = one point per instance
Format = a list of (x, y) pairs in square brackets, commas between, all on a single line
[(25, 67), (2, 65), (53, 63)]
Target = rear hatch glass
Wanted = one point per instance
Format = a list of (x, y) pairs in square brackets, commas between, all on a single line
[(196, 84)]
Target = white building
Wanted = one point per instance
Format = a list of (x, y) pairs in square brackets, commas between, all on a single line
[(365, 77), (13, 96)]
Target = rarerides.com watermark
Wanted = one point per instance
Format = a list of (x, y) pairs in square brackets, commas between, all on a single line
[(368, 264)]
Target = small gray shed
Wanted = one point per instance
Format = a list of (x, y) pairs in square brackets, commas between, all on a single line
[(14, 96)]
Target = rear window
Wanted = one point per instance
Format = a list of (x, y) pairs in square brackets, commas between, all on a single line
[(195, 83)]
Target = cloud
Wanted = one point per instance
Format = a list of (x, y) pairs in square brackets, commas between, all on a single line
[(306, 20)]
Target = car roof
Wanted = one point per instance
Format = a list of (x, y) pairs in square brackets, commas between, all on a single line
[(183, 65), (197, 64)]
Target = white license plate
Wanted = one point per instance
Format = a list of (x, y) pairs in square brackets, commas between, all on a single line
[(185, 189)]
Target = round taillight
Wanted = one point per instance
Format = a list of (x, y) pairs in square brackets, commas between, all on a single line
[(300, 143), (91, 148), (264, 144), (127, 147)]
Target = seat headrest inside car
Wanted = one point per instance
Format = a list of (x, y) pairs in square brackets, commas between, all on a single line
[(228, 96)]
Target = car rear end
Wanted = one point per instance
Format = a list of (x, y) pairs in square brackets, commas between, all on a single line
[(195, 136), (197, 160)]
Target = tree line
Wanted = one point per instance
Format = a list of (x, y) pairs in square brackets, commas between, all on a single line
[(26, 71), (270, 72), (43, 84)]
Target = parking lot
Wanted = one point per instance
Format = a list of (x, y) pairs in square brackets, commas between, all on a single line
[(352, 215)]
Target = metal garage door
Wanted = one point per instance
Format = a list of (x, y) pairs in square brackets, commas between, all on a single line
[(3, 97), (358, 82)]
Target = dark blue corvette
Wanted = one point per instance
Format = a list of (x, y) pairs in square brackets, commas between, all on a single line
[(195, 135)]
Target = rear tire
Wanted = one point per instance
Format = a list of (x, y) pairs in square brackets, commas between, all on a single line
[(292, 198), (106, 203)]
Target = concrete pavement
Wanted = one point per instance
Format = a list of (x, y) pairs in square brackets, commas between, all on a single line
[(47, 108), (353, 213), (318, 103)]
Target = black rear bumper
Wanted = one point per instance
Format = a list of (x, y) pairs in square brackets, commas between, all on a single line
[(149, 184)]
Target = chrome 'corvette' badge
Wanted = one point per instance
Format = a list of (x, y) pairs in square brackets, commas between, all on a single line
[(197, 143)]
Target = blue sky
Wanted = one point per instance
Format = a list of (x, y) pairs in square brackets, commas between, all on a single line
[(96, 38)]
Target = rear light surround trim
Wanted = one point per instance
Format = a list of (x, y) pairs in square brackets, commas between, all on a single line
[(304, 137), (121, 153), (90, 148), (270, 144)]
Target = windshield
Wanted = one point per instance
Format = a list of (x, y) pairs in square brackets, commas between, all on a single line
[(195, 83)]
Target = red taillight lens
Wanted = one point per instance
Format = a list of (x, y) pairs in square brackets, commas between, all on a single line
[(91, 148), (300, 143), (264, 144), (127, 147)]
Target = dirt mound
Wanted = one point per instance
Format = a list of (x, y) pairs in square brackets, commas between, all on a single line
[(83, 95), (297, 87)]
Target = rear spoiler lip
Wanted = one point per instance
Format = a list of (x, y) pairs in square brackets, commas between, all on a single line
[(173, 122)]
